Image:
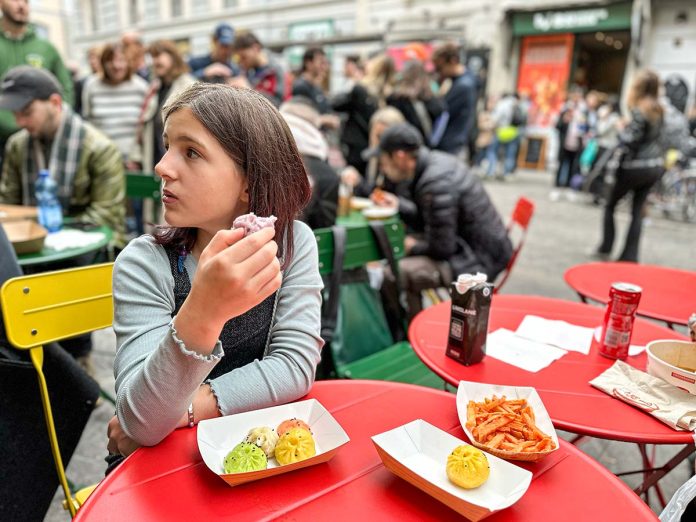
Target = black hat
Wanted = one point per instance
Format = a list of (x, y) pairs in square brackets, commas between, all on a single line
[(402, 136), (24, 84), (224, 34)]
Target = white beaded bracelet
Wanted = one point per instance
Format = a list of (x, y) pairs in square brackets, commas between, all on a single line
[(191, 422)]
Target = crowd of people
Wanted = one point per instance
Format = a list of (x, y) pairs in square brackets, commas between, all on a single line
[(232, 132)]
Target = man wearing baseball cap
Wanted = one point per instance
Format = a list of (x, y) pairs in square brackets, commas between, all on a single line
[(217, 66), (20, 45), (453, 227), (86, 164)]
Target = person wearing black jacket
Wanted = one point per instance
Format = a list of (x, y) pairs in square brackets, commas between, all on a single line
[(453, 227), (303, 119), (641, 166)]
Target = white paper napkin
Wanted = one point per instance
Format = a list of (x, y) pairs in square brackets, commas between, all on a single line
[(64, 239), (556, 333), (510, 348)]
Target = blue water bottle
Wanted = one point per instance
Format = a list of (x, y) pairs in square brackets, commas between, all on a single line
[(50, 212)]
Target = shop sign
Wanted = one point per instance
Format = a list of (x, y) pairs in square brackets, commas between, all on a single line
[(601, 18), (307, 32)]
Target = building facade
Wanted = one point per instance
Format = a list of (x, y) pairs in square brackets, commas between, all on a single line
[(539, 47), (50, 19)]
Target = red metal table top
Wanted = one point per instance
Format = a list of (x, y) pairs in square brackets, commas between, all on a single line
[(668, 295), (170, 481), (564, 387)]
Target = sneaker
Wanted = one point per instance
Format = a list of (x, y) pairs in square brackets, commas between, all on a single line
[(555, 195)]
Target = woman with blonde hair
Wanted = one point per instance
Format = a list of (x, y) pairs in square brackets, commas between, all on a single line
[(413, 96), (360, 103), (641, 165), (171, 76)]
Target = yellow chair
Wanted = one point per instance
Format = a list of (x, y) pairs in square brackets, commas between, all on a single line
[(49, 307)]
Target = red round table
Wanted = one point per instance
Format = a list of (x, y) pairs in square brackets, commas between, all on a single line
[(563, 386), (170, 481), (668, 295)]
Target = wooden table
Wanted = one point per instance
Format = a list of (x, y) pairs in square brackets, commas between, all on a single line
[(170, 481), (669, 294)]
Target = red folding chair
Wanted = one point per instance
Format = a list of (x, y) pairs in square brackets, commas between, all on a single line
[(517, 231)]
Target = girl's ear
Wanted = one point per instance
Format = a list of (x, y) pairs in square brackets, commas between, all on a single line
[(244, 196)]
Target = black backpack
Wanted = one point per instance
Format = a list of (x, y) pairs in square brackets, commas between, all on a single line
[(519, 118)]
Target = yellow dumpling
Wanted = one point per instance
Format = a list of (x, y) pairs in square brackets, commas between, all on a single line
[(294, 445), (467, 467)]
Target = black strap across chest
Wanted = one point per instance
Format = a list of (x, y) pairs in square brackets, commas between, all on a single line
[(243, 337)]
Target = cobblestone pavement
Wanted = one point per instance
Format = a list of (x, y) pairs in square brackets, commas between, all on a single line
[(562, 234)]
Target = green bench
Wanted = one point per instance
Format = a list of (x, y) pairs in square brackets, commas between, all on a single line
[(397, 362)]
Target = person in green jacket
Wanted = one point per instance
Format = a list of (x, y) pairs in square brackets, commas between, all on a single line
[(20, 45), (85, 164)]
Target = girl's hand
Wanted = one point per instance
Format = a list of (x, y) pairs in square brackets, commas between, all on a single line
[(119, 442), (235, 273)]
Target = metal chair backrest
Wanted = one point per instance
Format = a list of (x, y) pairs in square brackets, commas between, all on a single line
[(517, 230), (51, 306)]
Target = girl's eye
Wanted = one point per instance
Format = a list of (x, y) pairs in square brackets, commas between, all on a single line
[(192, 154)]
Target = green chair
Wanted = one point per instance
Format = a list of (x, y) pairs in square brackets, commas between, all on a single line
[(360, 344), (145, 186)]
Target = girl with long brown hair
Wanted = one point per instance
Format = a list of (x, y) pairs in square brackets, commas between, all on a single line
[(209, 322), (111, 101), (642, 163)]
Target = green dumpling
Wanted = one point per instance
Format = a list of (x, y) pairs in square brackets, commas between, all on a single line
[(245, 457)]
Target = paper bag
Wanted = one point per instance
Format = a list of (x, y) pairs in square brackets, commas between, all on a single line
[(674, 407)]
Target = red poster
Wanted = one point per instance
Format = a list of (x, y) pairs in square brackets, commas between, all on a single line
[(543, 75), (412, 51)]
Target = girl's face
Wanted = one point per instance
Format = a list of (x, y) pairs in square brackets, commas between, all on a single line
[(162, 64), (117, 68), (203, 187)]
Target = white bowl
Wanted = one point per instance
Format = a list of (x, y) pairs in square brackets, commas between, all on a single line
[(379, 212), (360, 203), (669, 361)]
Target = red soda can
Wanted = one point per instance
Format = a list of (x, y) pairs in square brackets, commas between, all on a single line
[(618, 320)]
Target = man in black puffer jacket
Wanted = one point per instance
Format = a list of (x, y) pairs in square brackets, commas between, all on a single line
[(453, 227)]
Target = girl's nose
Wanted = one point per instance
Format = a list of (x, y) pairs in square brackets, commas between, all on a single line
[(164, 169)]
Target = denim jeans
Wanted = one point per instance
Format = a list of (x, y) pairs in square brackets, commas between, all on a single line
[(509, 148)]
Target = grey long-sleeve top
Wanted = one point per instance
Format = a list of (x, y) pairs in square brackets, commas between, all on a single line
[(157, 376)]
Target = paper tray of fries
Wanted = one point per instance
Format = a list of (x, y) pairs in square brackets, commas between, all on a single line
[(509, 422)]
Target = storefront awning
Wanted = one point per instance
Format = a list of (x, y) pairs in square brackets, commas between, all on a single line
[(609, 17)]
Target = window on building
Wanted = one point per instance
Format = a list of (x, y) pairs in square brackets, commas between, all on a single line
[(200, 7), (230, 3), (177, 8), (134, 12), (152, 10), (94, 19), (77, 20), (107, 14)]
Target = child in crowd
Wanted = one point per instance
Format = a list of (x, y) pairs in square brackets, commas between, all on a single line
[(209, 322)]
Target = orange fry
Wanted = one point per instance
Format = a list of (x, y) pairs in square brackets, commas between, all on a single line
[(507, 425)]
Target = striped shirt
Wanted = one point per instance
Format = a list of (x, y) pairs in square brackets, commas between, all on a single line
[(115, 109)]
